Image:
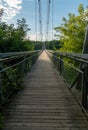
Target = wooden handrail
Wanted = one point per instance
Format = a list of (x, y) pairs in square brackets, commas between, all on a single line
[(5, 57), (75, 56), (82, 71)]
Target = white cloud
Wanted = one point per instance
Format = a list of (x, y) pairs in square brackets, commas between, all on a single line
[(13, 3), (11, 8), (33, 37)]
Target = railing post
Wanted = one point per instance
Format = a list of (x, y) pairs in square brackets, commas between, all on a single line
[(33, 60), (85, 87), (24, 66), (60, 65)]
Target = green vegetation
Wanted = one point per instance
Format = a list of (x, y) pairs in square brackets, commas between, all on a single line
[(72, 31), (71, 35), (37, 45), (69, 73), (12, 80), (14, 38), (12, 77), (53, 45)]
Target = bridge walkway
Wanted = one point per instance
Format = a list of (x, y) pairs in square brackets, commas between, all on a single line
[(45, 103)]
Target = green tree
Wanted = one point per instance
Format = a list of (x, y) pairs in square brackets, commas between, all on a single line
[(72, 31), (22, 28), (13, 39), (1, 13), (53, 45), (3, 30)]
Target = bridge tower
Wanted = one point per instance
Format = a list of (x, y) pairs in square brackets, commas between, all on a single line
[(85, 45)]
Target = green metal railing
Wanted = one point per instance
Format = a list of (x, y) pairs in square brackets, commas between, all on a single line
[(74, 68), (13, 68)]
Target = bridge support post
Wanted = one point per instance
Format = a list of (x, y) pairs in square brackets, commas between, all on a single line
[(24, 66), (85, 87), (85, 45), (60, 65)]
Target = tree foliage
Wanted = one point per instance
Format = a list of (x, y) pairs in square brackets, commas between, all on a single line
[(53, 45), (13, 38), (1, 13), (72, 30)]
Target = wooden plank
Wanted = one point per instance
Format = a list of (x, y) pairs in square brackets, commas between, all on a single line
[(45, 103)]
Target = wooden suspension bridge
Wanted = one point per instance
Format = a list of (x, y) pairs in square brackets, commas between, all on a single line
[(45, 102), (39, 90)]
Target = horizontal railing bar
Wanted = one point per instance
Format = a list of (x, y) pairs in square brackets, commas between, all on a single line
[(10, 54), (78, 55), (75, 56), (16, 64), (58, 58), (22, 54)]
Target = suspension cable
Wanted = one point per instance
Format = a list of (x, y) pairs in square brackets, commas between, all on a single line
[(52, 18), (40, 19), (36, 20), (48, 18)]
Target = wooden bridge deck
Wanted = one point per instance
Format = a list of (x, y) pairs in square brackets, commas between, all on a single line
[(45, 103)]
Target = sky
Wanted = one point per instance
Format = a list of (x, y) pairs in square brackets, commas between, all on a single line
[(17, 9)]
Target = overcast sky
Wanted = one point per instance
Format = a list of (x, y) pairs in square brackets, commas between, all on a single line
[(17, 9)]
